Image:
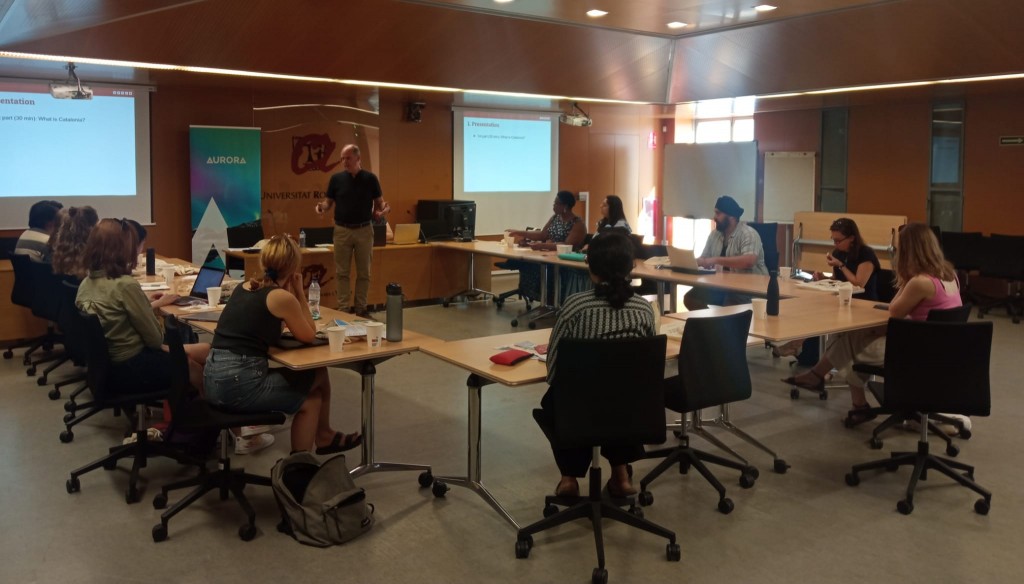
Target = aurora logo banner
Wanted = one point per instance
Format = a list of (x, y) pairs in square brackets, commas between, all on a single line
[(224, 166)]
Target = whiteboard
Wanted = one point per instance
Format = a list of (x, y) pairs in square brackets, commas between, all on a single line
[(695, 175), (788, 185)]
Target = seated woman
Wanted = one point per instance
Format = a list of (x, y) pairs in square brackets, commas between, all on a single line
[(74, 224), (237, 373), (924, 281), (612, 215), (610, 311), (140, 362), (852, 261), (563, 227)]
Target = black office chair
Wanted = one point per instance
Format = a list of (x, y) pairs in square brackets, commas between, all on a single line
[(647, 251), (606, 393), (318, 235), (23, 294), (7, 247), (245, 235), (712, 371), (66, 288), (196, 416), (46, 305), (959, 314), (934, 367), (1003, 266), (769, 233), (499, 299), (108, 396)]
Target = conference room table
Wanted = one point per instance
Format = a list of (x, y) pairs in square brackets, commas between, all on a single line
[(357, 356)]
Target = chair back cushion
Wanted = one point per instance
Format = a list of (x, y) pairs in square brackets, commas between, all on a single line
[(23, 290), (69, 321), (938, 367), (46, 299), (245, 235), (89, 331), (712, 363), (956, 314), (609, 392)]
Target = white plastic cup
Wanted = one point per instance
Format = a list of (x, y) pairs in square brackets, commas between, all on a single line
[(785, 272), (168, 274), (760, 308), (374, 334), (563, 248), (336, 338), (845, 295), (213, 295), (509, 240)]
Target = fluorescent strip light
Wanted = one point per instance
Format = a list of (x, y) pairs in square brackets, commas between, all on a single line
[(676, 24), (595, 13), (765, 7)]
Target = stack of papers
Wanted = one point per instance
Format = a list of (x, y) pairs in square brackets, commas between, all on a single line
[(831, 286)]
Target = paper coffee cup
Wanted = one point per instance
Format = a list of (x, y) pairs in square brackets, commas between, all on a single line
[(374, 334), (785, 272), (563, 248), (845, 294), (760, 306), (336, 338), (213, 295), (168, 274)]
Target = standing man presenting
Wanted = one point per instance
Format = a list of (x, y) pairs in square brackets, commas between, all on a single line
[(734, 246), (355, 196)]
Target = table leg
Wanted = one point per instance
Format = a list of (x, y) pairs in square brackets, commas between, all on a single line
[(471, 289), (472, 480), (544, 310)]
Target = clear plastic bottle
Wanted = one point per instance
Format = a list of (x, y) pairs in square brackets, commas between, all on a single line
[(302, 238), (314, 298)]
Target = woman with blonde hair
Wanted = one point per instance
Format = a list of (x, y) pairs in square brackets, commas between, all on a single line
[(925, 281), (74, 224), (237, 374)]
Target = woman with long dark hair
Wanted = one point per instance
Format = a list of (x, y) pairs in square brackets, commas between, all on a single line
[(612, 215)]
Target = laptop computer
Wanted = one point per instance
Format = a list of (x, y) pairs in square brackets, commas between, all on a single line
[(208, 277), (406, 233), (683, 260), (380, 234)]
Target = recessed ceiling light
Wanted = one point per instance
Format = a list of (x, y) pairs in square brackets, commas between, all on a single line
[(765, 7), (676, 24), (595, 13)]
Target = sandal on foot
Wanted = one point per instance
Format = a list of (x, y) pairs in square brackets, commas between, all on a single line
[(858, 415), (818, 386), (341, 443), (618, 493), (567, 489)]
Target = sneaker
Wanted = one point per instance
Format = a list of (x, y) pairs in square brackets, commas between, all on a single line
[(247, 431), (253, 444)]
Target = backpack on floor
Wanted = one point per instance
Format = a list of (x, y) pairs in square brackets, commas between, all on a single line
[(320, 504)]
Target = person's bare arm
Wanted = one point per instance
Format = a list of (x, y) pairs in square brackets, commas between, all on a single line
[(910, 295), (289, 304)]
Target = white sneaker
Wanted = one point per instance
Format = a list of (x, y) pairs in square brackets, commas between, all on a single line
[(252, 444), (247, 431)]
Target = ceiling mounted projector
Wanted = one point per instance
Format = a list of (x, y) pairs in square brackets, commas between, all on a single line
[(72, 87), (581, 119)]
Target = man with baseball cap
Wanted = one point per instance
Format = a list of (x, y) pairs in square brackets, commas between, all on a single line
[(734, 246)]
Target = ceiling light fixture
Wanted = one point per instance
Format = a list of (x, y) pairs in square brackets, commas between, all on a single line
[(765, 7), (502, 1), (676, 24), (595, 13)]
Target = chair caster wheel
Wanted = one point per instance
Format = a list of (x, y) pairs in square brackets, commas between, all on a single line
[(31, 371), (952, 450), (725, 506), (160, 501), (532, 326), (522, 549), (550, 510), (673, 553), (823, 395), (746, 481), (514, 323), (41, 381), (439, 489), (70, 406), (8, 354), (599, 576), (72, 485), (905, 507), (875, 443), (247, 532), (109, 465), (131, 495), (68, 418), (780, 466), (981, 507), (645, 498), (159, 532), (794, 393), (636, 512), (753, 472), (852, 479), (445, 303), (499, 303), (53, 394), (965, 434), (67, 436), (426, 479)]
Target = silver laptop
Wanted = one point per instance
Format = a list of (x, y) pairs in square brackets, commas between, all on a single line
[(406, 233), (208, 277), (683, 260)]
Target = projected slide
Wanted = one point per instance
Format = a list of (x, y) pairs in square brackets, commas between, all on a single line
[(506, 153)]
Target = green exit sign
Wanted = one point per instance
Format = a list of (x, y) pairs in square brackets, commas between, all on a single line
[(1011, 140)]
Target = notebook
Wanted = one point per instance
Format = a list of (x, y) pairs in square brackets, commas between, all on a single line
[(683, 260), (406, 233), (208, 277)]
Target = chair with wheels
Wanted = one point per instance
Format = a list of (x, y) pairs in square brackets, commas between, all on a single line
[(606, 393), (958, 314), (934, 367), (499, 299), (23, 294), (108, 397), (712, 373), (195, 416), (769, 233), (1001, 281), (67, 289), (46, 304)]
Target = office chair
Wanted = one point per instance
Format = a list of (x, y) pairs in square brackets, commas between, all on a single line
[(23, 294), (499, 299), (46, 304), (245, 235), (606, 393), (318, 235), (196, 416), (66, 289), (959, 314), (769, 233), (712, 372), (107, 396), (1003, 265), (934, 367)]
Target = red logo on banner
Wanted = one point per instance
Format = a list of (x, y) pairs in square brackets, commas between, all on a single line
[(311, 152)]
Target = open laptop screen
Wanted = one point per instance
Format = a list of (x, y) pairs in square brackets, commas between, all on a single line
[(208, 277)]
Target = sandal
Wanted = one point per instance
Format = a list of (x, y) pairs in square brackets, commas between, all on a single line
[(341, 443), (819, 386), (619, 493), (567, 489), (858, 415)]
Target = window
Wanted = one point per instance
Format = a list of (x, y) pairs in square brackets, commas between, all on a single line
[(716, 120)]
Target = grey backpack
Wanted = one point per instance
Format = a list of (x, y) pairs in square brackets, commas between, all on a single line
[(320, 504)]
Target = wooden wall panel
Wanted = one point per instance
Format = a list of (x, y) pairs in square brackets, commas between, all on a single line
[(602, 173), (993, 174)]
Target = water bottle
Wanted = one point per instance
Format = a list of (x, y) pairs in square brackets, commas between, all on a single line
[(302, 238), (393, 333), (150, 261), (772, 308), (314, 298)]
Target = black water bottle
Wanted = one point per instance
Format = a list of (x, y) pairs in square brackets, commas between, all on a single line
[(150, 261), (393, 332), (772, 307)]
